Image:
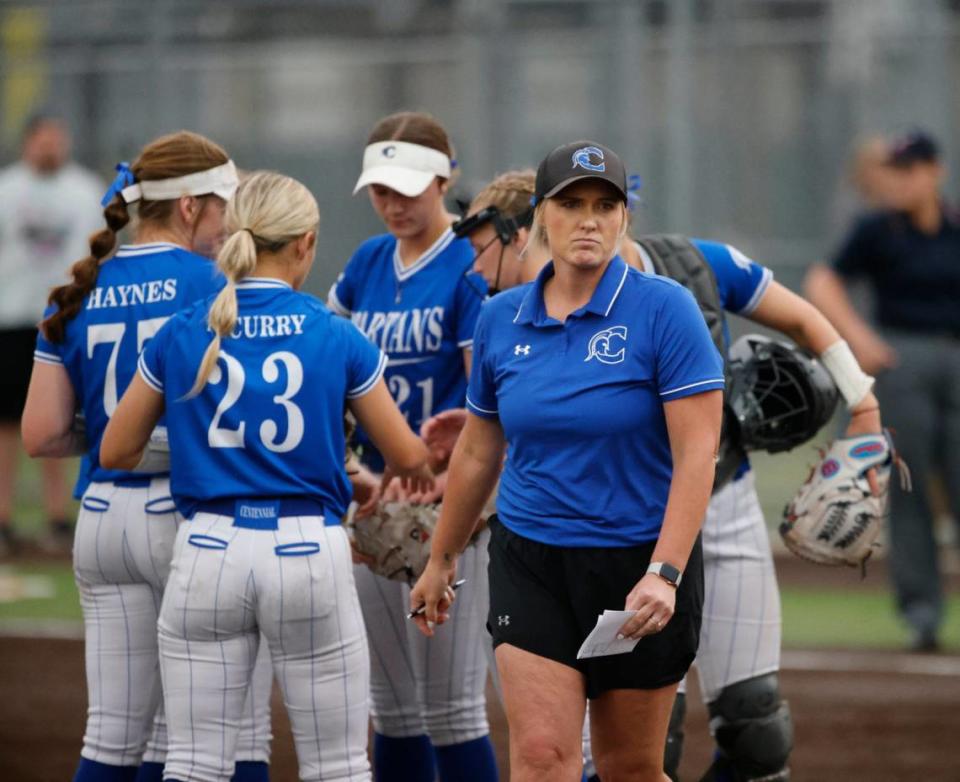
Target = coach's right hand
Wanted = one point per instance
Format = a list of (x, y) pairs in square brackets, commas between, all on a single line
[(434, 591)]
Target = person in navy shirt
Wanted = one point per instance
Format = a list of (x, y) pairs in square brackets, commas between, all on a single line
[(909, 256), (410, 291), (606, 388), (253, 383)]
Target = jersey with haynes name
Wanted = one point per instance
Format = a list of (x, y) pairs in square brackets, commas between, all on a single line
[(581, 403), (269, 422), (741, 284), (422, 317), (136, 293)]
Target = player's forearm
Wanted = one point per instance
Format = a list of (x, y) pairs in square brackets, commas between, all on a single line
[(471, 479)]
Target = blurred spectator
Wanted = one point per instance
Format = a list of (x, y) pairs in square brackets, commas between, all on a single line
[(50, 206), (865, 186), (910, 256)]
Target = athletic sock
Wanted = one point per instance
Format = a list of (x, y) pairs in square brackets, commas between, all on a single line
[(150, 772), (408, 759), (250, 771), (471, 761), (92, 771)]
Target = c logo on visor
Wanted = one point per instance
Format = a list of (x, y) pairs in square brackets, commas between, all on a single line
[(601, 346), (583, 158), (390, 151)]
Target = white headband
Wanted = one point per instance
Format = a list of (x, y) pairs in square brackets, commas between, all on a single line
[(221, 181), (402, 166)]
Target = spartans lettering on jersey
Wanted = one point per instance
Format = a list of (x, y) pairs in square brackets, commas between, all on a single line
[(129, 295), (403, 331), (252, 326)]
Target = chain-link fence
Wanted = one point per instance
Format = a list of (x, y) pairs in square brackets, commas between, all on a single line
[(737, 114)]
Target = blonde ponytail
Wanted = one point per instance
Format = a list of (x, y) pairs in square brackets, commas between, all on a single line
[(267, 212)]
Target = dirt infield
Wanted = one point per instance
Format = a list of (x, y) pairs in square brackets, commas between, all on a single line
[(885, 725)]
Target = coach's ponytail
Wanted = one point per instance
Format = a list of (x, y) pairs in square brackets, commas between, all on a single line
[(267, 212), (174, 155)]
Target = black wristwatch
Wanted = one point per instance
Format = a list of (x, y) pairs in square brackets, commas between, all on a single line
[(667, 572)]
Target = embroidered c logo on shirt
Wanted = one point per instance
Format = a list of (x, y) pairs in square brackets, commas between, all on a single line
[(603, 345)]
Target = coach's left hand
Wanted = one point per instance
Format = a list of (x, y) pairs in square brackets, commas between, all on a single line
[(654, 600)]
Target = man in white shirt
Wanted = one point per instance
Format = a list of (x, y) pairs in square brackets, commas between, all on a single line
[(50, 206)]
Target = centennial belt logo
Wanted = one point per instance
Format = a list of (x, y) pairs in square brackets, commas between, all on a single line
[(589, 158), (608, 346)]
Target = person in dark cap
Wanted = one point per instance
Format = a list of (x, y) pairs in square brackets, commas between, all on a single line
[(605, 385), (910, 256)]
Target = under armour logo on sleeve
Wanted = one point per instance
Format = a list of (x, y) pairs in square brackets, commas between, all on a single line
[(521, 350), (504, 619)]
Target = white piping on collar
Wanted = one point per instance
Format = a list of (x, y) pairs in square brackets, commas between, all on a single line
[(131, 250), (263, 282), (623, 279), (443, 241)]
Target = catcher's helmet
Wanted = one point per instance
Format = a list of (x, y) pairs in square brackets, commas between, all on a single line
[(781, 396)]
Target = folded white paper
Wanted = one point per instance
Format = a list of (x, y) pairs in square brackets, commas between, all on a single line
[(603, 640)]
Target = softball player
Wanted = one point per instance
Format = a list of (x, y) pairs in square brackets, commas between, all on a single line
[(739, 652), (86, 356), (256, 447), (410, 292)]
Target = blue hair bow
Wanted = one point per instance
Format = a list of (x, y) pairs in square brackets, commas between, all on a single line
[(124, 178), (634, 184)]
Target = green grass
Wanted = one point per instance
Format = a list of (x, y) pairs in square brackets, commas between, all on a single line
[(62, 602), (812, 617), (834, 618)]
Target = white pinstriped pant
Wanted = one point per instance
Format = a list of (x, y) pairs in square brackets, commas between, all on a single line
[(434, 686), (122, 550), (740, 635), (294, 585)]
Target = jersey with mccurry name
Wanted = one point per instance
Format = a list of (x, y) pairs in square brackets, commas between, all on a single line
[(269, 422), (581, 403)]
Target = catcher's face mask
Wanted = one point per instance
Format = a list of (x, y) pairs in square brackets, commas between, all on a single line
[(504, 230)]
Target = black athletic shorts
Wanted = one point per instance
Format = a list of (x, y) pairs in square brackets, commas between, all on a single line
[(546, 600), (16, 347)]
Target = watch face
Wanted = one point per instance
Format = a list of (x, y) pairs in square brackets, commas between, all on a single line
[(669, 572)]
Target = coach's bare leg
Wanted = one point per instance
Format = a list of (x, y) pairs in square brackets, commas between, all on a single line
[(545, 703), (629, 732)]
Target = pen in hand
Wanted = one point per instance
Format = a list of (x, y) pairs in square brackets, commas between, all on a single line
[(455, 586)]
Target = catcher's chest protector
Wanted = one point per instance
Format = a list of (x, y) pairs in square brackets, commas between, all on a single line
[(676, 257)]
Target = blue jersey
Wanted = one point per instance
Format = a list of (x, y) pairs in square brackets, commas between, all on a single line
[(136, 292), (581, 403), (269, 422), (422, 317), (741, 284)]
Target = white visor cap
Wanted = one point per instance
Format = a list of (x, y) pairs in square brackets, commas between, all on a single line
[(407, 168), (220, 181)]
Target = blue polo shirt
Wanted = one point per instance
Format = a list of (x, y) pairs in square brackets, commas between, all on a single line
[(581, 403)]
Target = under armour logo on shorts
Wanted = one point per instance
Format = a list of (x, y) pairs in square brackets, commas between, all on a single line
[(521, 350), (505, 618)]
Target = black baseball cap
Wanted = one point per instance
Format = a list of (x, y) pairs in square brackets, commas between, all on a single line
[(579, 160), (915, 147)]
